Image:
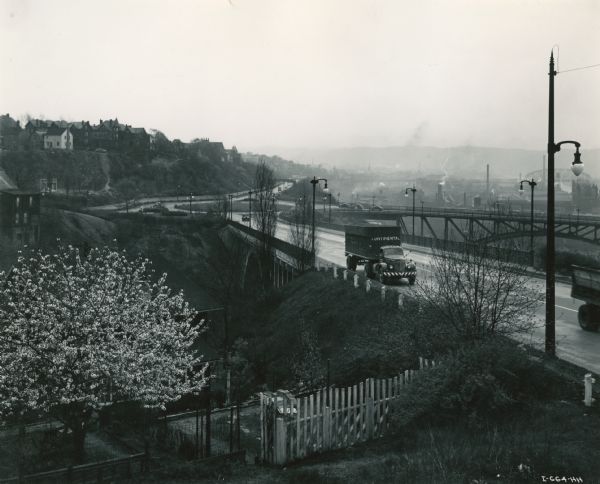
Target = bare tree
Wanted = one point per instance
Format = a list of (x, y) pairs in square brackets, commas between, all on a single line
[(223, 280), (265, 214), (220, 208), (479, 292), (300, 233)]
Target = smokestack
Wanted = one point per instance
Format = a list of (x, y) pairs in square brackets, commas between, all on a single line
[(487, 180), (543, 170)]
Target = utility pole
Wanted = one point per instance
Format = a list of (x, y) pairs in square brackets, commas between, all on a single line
[(550, 248), (577, 168)]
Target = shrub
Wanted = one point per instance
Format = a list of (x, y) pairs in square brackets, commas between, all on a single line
[(487, 379)]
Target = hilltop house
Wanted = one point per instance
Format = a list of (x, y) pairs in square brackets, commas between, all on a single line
[(57, 137), (19, 213)]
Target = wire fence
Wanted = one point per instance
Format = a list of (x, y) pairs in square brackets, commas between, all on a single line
[(123, 442)]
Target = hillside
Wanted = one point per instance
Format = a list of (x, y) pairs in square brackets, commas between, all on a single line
[(191, 169)]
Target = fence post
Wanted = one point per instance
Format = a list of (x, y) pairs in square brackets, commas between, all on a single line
[(280, 441), (262, 428), (370, 417), (345, 275), (588, 381), (383, 293), (368, 285), (327, 428), (335, 275), (356, 280)]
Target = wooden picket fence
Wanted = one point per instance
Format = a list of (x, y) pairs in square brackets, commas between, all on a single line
[(332, 418)]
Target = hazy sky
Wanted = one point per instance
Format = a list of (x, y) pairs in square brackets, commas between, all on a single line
[(308, 73)]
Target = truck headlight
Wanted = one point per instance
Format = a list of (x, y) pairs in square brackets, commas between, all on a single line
[(391, 267)]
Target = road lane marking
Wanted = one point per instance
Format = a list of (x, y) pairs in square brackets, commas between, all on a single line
[(568, 309)]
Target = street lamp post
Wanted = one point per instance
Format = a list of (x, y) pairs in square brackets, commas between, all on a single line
[(330, 208), (315, 181), (413, 190), (422, 217), (577, 168), (532, 184), (250, 208)]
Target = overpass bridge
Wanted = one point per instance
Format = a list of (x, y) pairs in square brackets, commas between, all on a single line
[(459, 225)]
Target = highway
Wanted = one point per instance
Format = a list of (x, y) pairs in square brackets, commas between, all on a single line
[(573, 344)]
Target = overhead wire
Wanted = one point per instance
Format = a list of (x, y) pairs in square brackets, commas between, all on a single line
[(579, 68)]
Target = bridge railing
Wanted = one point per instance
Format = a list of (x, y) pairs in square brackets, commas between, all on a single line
[(293, 251), (516, 255), (518, 216)]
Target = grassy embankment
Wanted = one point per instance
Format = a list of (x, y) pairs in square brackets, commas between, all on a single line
[(491, 412)]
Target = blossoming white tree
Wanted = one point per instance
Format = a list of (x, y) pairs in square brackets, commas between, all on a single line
[(79, 332)]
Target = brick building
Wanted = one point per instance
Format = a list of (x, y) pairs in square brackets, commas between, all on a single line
[(19, 213)]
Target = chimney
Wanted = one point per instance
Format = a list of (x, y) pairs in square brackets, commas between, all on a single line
[(487, 180), (543, 170)]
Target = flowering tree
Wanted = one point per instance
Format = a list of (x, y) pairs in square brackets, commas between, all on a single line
[(79, 332)]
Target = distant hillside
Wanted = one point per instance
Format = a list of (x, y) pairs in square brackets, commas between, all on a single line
[(462, 161)]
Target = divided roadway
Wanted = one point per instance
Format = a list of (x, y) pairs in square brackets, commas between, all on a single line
[(573, 344)]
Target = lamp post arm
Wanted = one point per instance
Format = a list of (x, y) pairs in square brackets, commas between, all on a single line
[(567, 142)]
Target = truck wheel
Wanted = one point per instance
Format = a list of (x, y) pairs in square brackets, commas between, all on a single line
[(589, 317), (411, 280), (349, 263)]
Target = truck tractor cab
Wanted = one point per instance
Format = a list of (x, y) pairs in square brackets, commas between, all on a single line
[(394, 264)]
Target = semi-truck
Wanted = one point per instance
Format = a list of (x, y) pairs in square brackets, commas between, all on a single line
[(379, 248), (585, 285)]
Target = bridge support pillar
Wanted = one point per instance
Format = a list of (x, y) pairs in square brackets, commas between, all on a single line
[(335, 275), (356, 280), (383, 293), (368, 285), (345, 274), (400, 300)]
